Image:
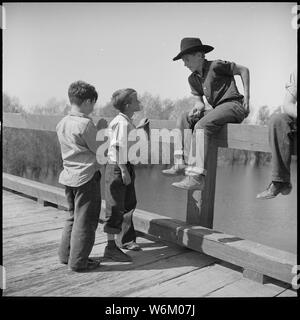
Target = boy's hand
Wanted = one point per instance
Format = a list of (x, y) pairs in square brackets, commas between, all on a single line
[(199, 107), (195, 112), (125, 176), (143, 123), (101, 124)]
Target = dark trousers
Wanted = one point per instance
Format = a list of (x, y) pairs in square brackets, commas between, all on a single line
[(120, 203), (282, 130), (210, 123), (78, 235)]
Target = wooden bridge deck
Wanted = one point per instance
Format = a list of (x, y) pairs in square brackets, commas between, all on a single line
[(31, 235)]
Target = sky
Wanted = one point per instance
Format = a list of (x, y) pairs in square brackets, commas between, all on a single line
[(47, 46)]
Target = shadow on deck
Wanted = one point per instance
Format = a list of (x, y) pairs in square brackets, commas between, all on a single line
[(31, 234)]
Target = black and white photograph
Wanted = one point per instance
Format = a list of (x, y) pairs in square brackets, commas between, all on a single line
[(149, 150)]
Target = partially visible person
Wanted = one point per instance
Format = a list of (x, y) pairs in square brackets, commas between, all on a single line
[(120, 193), (81, 177), (282, 131)]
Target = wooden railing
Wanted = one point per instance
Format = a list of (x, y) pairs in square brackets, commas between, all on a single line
[(197, 233), (200, 205)]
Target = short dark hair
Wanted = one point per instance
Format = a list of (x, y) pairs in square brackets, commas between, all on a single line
[(80, 91), (122, 97)]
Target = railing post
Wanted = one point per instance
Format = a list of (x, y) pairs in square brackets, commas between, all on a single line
[(200, 204)]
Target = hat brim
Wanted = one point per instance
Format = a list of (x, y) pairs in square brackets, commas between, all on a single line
[(204, 48)]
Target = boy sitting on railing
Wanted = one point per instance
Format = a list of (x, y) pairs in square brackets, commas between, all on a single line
[(81, 178), (214, 80), (120, 194)]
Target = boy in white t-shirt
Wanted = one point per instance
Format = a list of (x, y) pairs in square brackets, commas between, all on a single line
[(120, 194)]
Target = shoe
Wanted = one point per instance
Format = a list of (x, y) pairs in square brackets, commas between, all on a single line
[(190, 183), (274, 189), (132, 245), (176, 170), (92, 264), (116, 254)]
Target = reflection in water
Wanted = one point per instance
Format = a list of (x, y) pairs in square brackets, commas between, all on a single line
[(237, 211)]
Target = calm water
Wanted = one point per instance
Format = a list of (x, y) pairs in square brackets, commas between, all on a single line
[(237, 212)]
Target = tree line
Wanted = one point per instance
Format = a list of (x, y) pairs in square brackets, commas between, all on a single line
[(36, 154)]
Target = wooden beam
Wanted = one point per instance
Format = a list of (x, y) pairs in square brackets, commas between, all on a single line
[(244, 137), (247, 254), (200, 204), (37, 122), (42, 192), (207, 200), (254, 276), (30, 121), (235, 136)]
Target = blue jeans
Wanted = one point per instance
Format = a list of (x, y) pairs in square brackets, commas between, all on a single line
[(282, 130), (205, 127), (78, 235)]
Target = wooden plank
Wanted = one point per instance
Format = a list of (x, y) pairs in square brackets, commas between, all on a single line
[(262, 259), (254, 276), (123, 283), (247, 288), (35, 228), (247, 254), (15, 197), (19, 206), (197, 283), (36, 189), (38, 239), (35, 212), (34, 260), (17, 222), (58, 281), (200, 204), (42, 202), (33, 215), (49, 122), (41, 122), (36, 252), (288, 293), (246, 137), (236, 136), (208, 194), (48, 219), (30, 121), (250, 255), (39, 273)]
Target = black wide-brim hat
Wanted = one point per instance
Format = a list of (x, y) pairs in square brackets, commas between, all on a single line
[(190, 45)]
